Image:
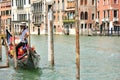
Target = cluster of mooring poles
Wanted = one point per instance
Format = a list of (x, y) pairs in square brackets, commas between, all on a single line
[(3, 41), (51, 40)]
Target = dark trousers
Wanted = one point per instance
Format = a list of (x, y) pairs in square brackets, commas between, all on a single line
[(18, 46)]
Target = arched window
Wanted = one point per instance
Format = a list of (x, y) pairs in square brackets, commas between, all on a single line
[(93, 2), (82, 15), (86, 15), (81, 2), (62, 4), (85, 2)]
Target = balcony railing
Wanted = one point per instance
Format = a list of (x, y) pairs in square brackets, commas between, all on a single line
[(103, 20), (97, 20), (22, 20), (71, 4), (20, 7), (115, 19), (68, 20), (107, 19)]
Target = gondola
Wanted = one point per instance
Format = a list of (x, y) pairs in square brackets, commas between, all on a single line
[(27, 56)]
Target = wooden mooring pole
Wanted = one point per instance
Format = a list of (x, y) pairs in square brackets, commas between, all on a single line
[(0, 41), (0, 49), (77, 42), (51, 43), (15, 60), (50, 36)]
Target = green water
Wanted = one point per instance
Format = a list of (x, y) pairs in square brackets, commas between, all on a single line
[(100, 60)]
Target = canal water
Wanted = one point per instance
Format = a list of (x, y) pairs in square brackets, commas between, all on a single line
[(100, 59)]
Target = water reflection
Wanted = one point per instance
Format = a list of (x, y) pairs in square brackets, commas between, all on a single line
[(24, 74)]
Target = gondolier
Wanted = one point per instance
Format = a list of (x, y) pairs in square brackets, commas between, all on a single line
[(27, 56), (23, 37)]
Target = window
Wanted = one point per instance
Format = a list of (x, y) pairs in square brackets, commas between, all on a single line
[(7, 12), (54, 17), (12, 2), (81, 2), (104, 2), (58, 5), (54, 8), (29, 1), (25, 2), (107, 1), (81, 26), (22, 17), (85, 2), (90, 25), (70, 4), (108, 13), (93, 16), (82, 15), (98, 1), (104, 14), (93, 2), (2, 12), (62, 4), (86, 15), (98, 14), (115, 13), (33, 28), (85, 25), (115, 1), (58, 17), (19, 3)]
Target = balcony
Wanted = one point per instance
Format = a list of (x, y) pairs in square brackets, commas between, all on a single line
[(19, 7), (107, 19), (103, 19), (22, 20), (97, 20), (67, 20), (115, 19), (70, 4)]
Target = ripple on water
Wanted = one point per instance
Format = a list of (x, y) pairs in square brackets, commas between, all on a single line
[(99, 60)]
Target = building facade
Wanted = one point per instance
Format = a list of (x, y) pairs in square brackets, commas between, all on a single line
[(39, 16), (87, 15), (69, 17), (5, 10), (108, 15), (21, 12), (58, 10)]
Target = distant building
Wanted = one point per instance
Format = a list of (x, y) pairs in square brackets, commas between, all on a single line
[(39, 16), (69, 17), (5, 12), (21, 12), (108, 14), (58, 11), (87, 15)]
